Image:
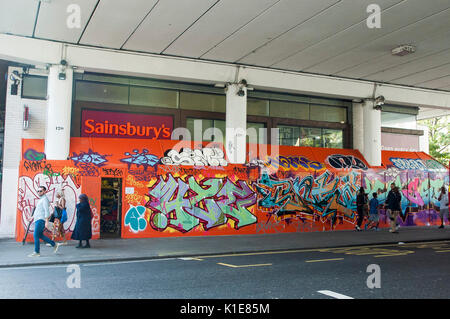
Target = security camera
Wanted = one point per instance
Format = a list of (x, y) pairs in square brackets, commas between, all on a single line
[(15, 76), (379, 100), (63, 62), (241, 92)]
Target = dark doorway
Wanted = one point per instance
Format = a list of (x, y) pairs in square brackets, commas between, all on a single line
[(111, 208)]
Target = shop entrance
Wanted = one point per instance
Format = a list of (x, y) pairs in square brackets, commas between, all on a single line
[(111, 208)]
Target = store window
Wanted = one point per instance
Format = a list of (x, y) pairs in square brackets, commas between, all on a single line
[(101, 92), (34, 87), (332, 138), (153, 97), (328, 113), (202, 102), (203, 124), (257, 107), (294, 110), (310, 136), (399, 120)]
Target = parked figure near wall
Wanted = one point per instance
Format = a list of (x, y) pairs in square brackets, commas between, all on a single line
[(361, 201), (374, 218), (58, 222), (393, 207), (41, 217), (443, 209), (83, 228)]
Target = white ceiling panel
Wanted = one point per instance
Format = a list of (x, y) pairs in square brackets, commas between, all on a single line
[(392, 19), (408, 68), (432, 48), (53, 16), (18, 16), (165, 23), (279, 19), (216, 25), (114, 21), (324, 25), (410, 34), (424, 76), (437, 83)]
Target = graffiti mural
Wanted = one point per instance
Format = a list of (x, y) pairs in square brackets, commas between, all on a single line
[(198, 157), (90, 157), (28, 197), (184, 205), (346, 161), (135, 219), (143, 159), (198, 192)]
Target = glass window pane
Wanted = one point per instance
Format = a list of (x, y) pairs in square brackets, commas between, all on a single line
[(289, 135), (153, 97), (200, 124), (221, 126), (310, 137), (328, 113), (202, 102), (332, 138), (34, 87), (257, 127), (399, 120), (97, 92), (257, 107), (289, 110)]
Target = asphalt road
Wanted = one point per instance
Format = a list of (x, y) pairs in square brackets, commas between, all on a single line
[(418, 271)]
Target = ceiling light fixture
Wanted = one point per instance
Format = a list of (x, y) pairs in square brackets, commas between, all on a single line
[(403, 49)]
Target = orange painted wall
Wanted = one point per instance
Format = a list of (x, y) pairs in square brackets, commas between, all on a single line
[(302, 189)]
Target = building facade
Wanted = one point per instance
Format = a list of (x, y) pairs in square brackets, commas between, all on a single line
[(107, 126)]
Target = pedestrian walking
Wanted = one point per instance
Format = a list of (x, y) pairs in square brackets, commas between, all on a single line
[(41, 217), (58, 221), (393, 201), (374, 217), (83, 228), (361, 201), (443, 206)]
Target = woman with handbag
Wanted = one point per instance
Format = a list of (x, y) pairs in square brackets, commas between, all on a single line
[(59, 217)]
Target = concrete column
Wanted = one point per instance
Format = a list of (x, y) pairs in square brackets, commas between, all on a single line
[(372, 134), (358, 127), (59, 109), (236, 124)]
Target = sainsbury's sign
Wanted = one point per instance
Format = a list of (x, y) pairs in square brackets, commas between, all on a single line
[(125, 125)]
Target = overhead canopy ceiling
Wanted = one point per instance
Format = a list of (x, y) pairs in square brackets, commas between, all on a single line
[(329, 37)]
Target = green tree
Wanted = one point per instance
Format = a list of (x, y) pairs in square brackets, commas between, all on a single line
[(439, 138)]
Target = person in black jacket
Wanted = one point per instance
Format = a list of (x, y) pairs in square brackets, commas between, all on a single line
[(393, 201), (361, 201), (83, 228)]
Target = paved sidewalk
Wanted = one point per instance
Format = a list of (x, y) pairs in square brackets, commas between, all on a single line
[(14, 254)]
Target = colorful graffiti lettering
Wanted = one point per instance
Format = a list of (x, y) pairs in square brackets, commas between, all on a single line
[(135, 219), (140, 159), (293, 163), (68, 170), (90, 157), (346, 161), (198, 157), (115, 172), (32, 155), (28, 197), (408, 163), (183, 206)]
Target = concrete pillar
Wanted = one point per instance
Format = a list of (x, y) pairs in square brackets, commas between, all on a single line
[(358, 127), (236, 123), (372, 134), (59, 109)]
